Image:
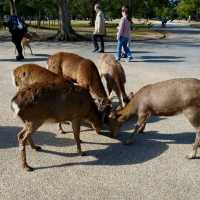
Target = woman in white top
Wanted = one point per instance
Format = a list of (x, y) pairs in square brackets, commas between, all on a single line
[(100, 29)]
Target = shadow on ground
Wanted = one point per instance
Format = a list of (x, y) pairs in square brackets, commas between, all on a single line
[(146, 147), (8, 138), (41, 54), (25, 60)]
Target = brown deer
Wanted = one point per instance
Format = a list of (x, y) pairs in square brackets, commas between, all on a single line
[(61, 102), (115, 77), (26, 40), (28, 74), (81, 70), (165, 98)]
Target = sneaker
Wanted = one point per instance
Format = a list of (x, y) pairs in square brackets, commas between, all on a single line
[(129, 59), (101, 51), (124, 55), (95, 50), (18, 58)]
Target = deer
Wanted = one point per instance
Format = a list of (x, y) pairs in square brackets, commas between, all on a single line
[(81, 70), (29, 74), (56, 102), (26, 40), (115, 77), (166, 98)]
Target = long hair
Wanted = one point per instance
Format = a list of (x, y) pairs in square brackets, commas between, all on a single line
[(126, 10)]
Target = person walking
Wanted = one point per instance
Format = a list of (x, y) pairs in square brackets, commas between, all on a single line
[(123, 35), (100, 29), (18, 29), (129, 40)]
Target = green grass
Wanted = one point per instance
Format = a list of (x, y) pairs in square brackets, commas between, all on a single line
[(84, 28)]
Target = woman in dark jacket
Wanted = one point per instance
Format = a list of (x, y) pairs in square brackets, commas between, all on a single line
[(18, 29)]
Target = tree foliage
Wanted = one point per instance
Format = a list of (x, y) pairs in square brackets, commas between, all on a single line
[(187, 8)]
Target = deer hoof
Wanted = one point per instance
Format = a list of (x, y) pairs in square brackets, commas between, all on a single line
[(28, 168), (190, 156)]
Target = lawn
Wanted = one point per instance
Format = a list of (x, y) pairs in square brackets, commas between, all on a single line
[(83, 28)]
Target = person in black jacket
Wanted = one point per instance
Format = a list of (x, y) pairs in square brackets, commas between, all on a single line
[(18, 29)]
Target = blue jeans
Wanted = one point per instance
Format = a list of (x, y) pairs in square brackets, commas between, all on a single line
[(122, 42)]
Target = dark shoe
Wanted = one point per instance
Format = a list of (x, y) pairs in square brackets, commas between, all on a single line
[(101, 51), (95, 50), (124, 55), (18, 58), (129, 59)]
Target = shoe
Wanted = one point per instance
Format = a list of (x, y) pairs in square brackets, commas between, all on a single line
[(101, 51), (117, 59), (95, 50), (124, 55), (129, 59), (18, 58)]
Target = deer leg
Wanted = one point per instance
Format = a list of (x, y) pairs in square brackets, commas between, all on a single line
[(195, 146), (23, 47), (118, 93), (193, 115), (124, 95), (29, 46), (33, 146), (141, 123), (23, 136), (60, 129), (109, 86), (76, 130)]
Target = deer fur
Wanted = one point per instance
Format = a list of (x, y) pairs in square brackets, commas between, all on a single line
[(60, 102), (165, 98), (26, 40), (26, 44), (81, 70), (115, 77), (28, 74)]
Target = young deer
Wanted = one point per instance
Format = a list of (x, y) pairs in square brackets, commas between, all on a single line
[(81, 70), (115, 77), (39, 103), (29, 74)]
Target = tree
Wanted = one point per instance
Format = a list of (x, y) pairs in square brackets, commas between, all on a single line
[(65, 30), (189, 8), (13, 10)]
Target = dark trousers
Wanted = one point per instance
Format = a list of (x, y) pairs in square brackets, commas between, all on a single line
[(95, 42), (16, 39)]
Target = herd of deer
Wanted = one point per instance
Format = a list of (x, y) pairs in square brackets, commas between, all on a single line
[(71, 89)]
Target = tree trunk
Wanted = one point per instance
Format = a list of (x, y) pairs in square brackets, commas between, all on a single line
[(39, 19), (65, 29), (130, 5), (13, 10)]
